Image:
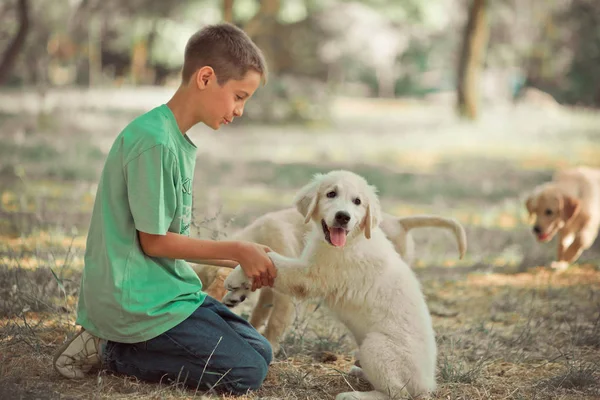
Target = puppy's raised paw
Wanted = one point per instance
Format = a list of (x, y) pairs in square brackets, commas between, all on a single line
[(233, 298), (237, 280), (238, 288)]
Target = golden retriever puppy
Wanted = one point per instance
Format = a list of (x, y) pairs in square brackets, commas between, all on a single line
[(350, 264), (284, 231), (569, 206)]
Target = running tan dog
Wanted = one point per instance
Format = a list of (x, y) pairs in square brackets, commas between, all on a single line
[(569, 206), (350, 264), (284, 232)]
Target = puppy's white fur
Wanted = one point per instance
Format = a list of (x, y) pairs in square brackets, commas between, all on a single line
[(284, 232), (365, 283)]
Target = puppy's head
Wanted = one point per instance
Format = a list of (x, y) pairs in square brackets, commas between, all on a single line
[(551, 210), (342, 203)]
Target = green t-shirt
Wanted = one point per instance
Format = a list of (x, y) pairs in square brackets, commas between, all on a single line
[(146, 185)]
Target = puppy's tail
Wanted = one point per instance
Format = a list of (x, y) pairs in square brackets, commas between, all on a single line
[(430, 221)]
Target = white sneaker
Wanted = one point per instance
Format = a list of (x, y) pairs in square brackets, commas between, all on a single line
[(78, 356)]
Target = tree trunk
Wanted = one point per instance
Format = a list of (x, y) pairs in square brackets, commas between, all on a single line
[(386, 84), (266, 13), (95, 50), (11, 53), (262, 28), (475, 40), (228, 11)]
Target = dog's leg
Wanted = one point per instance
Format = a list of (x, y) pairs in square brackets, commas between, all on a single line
[(583, 240), (237, 286), (291, 279), (572, 253), (394, 372), (373, 395), (263, 307), (281, 317), (564, 241), (358, 372)]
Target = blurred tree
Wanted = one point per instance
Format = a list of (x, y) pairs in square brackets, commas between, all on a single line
[(14, 48), (262, 28), (228, 11), (474, 44), (578, 82), (118, 38)]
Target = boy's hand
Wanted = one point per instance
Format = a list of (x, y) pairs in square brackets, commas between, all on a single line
[(257, 265)]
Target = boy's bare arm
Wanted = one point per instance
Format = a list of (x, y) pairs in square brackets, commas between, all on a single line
[(216, 263), (252, 257)]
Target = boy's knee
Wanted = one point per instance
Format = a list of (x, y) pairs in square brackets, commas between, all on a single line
[(252, 378), (265, 350), (249, 378)]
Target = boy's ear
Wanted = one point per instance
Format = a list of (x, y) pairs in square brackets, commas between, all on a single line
[(203, 76)]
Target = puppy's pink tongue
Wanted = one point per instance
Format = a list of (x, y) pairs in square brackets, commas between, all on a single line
[(337, 236)]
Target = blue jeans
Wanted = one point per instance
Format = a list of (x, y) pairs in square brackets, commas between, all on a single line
[(212, 349)]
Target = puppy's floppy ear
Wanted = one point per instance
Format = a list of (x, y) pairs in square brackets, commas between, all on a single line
[(367, 222), (531, 203), (373, 214), (570, 208), (307, 198)]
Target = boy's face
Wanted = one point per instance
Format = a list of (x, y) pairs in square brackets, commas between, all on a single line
[(219, 105)]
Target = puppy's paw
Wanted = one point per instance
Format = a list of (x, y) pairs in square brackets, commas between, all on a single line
[(348, 396), (238, 288), (358, 373), (235, 297), (559, 265), (237, 280)]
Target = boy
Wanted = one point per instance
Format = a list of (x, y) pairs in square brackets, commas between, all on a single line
[(141, 307)]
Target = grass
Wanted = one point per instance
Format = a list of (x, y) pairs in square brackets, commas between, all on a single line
[(577, 376), (455, 181), (506, 326), (529, 349)]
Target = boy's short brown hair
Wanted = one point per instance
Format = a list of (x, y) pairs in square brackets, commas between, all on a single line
[(227, 49)]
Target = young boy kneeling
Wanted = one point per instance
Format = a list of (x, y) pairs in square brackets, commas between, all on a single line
[(141, 306)]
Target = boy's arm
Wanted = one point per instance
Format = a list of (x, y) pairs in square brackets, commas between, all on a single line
[(152, 193), (252, 257), (216, 263)]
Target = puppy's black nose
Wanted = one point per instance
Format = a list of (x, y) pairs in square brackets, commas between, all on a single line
[(342, 217), (537, 229)]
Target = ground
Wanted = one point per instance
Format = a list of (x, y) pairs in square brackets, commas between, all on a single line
[(507, 326)]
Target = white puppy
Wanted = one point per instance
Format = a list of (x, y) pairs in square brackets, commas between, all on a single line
[(349, 262)]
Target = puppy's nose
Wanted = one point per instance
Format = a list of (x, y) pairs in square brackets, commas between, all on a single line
[(342, 217), (537, 229)]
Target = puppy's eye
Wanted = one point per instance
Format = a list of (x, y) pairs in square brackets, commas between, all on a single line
[(357, 201), (331, 194), (548, 212)]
